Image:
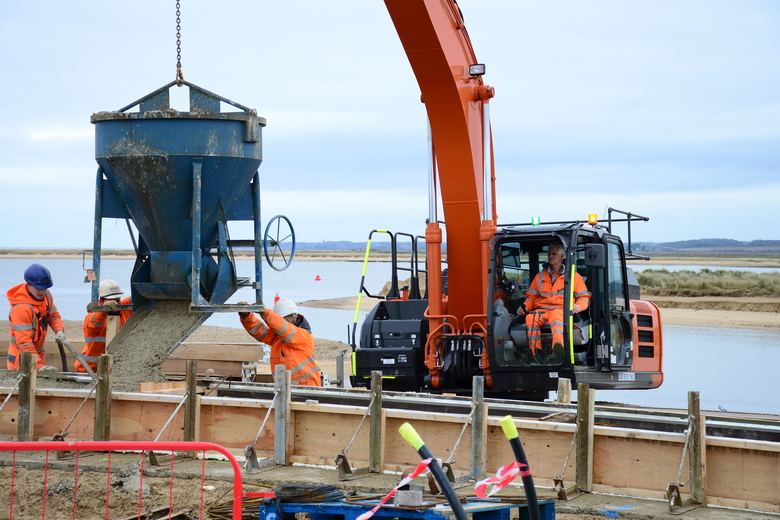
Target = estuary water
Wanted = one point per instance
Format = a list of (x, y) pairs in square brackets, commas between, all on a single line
[(732, 369)]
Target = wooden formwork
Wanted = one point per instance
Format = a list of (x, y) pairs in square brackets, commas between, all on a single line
[(724, 472)]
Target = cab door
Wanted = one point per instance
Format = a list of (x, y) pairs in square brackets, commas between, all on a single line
[(620, 330)]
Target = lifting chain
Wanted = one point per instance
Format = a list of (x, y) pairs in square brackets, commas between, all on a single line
[(179, 73)]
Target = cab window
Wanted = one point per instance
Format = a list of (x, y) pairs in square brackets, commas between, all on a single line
[(617, 284)]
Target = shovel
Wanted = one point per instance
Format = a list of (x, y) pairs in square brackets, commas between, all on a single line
[(252, 464), (80, 358)]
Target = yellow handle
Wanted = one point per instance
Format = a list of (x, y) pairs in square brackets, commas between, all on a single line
[(411, 436), (508, 425)]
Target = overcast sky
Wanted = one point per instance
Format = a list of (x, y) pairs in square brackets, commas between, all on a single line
[(667, 109)]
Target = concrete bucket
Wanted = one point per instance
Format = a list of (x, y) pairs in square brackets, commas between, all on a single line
[(179, 177)]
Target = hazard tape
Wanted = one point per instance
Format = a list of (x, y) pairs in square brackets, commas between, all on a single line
[(421, 469), (504, 476)]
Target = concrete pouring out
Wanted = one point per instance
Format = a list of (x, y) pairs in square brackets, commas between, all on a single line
[(141, 346)]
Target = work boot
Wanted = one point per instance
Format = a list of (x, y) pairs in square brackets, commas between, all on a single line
[(558, 352)]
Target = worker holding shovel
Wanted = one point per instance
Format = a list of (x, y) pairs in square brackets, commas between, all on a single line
[(32, 313)]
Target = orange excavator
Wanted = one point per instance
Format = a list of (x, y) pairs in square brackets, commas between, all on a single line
[(465, 320)]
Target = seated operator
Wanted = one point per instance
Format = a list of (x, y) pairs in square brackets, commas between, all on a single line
[(544, 301)]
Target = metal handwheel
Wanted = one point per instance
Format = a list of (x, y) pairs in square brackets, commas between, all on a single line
[(279, 235)]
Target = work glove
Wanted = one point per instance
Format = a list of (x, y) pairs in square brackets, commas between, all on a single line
[(111, 304), (243, 314), (60, 336), (48, 368)]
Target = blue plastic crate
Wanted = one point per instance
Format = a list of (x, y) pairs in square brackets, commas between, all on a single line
[(481, 510)]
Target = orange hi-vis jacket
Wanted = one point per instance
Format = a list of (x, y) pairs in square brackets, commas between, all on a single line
[(546, 292), (291, 345), (544, 303), (94, 330), (29, 321)]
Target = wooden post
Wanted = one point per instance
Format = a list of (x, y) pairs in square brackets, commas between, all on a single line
[(28, 367), (192, 407), (105, 373), (585, 412), (376, 438), (282, 416), (697, 458), (112, 327), (478, 429), (564, 390)]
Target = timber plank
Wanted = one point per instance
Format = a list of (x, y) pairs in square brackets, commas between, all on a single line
[(318, 435), (236, 426), (439, 437), (545, 449), (142, 421), (750, 475), (637, 463), (52, 414)]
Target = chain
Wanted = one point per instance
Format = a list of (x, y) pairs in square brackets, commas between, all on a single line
[(179, 73)]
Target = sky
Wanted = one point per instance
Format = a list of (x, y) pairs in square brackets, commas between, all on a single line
[(667, 109)]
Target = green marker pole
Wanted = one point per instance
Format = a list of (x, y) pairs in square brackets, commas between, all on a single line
[(412, 437), (508, 425)]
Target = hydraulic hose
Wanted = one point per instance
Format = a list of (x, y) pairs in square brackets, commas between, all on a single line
[(508, 425), (411, 436)]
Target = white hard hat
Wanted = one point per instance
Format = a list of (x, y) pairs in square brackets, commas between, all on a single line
[(285, 307), (109, 289)]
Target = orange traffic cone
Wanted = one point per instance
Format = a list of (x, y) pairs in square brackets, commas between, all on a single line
[(317, 278), (276, 298)]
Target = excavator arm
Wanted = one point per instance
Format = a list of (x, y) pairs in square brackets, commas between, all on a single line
[(456, 100)]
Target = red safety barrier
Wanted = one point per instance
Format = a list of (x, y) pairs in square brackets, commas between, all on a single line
[(141, 446)]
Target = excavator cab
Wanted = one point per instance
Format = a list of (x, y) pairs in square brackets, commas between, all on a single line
[(600, 342)]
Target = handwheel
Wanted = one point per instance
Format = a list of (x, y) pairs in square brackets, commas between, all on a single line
[(279, 234)]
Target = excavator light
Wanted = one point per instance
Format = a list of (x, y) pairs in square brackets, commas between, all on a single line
[(593, 219), (478, 69), (536, 221)]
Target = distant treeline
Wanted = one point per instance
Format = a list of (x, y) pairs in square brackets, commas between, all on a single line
[(345, 245), (706, 282), (725, 244)]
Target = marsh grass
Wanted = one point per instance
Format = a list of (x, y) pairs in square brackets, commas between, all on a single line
[(706, 282)]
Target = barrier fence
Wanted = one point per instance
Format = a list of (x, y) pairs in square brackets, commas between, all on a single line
[(122, 446)]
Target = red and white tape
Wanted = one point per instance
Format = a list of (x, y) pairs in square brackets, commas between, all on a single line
[(504, 476), (421, 469)]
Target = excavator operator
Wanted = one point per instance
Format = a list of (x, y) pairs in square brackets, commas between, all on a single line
[(544, 302), (289, 335)]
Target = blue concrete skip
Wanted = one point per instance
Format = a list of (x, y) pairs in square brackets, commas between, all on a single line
[(343, 511)]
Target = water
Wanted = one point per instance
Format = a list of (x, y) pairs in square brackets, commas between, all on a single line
[(297, 283), (731, 368)]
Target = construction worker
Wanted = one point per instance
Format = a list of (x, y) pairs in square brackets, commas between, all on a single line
[(544, 301), (289, 335), (32, 313), (95, 323)]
